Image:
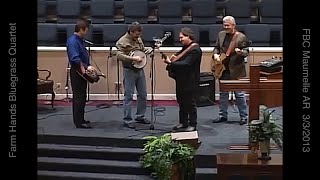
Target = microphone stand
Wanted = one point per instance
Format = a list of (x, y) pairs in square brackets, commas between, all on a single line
[(108, 58), (67, 99), (88, 86), (106, 105), (151, 127), (118, 102)]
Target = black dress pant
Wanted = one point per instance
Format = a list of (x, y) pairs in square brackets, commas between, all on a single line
[(187, 106), (79, 91)]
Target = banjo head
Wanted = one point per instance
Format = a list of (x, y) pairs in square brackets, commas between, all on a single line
[(142, 63)]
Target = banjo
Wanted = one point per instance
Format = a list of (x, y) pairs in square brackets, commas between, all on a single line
[(145, 58), (146, 55)]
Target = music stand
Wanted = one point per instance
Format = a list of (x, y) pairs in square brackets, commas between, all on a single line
[(151, 127)]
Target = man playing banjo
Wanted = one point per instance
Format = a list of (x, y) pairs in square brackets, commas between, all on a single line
[(131, 51)]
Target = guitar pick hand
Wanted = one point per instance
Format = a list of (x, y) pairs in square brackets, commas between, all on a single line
[(173, 58), (238, 51), (216, 57), (137, 58)]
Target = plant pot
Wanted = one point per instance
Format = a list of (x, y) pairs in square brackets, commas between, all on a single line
[(253, 146), (175, 172), (264, 150)]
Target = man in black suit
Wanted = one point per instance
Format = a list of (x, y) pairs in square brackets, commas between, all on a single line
[(185, 68)]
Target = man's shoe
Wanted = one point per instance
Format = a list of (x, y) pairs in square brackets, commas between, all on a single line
[(190, 128), (219, 119), (142, 120), (86, 122), (84, 126), (243, 121), (129, 125), (179, 126)]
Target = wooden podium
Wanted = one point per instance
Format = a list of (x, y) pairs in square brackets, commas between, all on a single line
[(248, 165), (275, 75), (262, 91)]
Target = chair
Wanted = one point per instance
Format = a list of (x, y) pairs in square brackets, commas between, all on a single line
[(46, 34), (204, 11), (170, 12), (214, 30), (276, 34), (150, 31), (41, 11), (259, 34), (135, 10), (240, 10), (271, 12), (64, 31), (45, 86), (102, 11), (112, 32), (68, 11)]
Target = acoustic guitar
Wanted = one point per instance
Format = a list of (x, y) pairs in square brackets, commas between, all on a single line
[(217, 66), (91, 74)]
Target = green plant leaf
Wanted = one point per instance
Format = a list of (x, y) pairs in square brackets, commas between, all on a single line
[(265, 128), (160, 153)]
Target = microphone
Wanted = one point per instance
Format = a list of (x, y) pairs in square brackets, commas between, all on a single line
[(88, 42), (103, 75)]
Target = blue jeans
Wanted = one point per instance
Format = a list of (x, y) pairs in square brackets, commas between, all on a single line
[(240, 102), (134, 79)]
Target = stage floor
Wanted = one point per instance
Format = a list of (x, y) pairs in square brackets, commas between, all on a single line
[(107, 122)]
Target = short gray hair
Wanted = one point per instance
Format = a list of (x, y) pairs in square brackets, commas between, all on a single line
[(230, 19)]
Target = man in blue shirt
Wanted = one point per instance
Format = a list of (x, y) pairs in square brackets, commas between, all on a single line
[(79, 60)]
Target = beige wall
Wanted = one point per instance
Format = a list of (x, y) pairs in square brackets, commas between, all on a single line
[(56, 62)]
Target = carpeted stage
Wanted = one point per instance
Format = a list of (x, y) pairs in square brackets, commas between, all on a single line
[(58, 138)]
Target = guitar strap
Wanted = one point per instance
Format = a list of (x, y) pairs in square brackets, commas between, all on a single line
[(185, 51), (232, 43)]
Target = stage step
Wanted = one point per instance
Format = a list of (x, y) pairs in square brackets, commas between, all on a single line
[(79, 158), (108, 153), (64, 175), (84, 152), (206, 173), (91, 141), (106, 166), (91, 165)]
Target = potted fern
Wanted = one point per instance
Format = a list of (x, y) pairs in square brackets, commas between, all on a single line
[(263, 130), (168, 159)]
